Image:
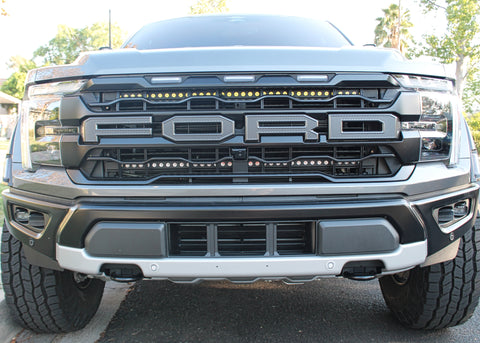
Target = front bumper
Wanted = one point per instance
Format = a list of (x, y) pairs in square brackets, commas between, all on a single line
[(64, 238), (294, 269)]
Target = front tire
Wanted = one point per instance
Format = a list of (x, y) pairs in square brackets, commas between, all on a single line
[(45, 300), (437, 296)]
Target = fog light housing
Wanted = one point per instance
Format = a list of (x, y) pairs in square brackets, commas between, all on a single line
[(31, 220), (460, 209), (21, 215), (452, 216), (445, 215)]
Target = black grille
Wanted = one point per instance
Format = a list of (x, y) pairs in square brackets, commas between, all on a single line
[(184, 155), (294, 239), (240, 164), (242, 239), (255, 98), (188, 240)]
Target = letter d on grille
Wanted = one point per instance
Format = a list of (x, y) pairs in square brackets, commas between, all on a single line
[(93, 128), (363, 126)]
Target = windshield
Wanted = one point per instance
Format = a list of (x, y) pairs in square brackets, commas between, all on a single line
[(237, 30)]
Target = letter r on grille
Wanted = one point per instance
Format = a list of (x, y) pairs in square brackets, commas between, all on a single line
[(278, 125)]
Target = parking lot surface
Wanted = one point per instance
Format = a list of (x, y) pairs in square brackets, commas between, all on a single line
[(329, 310)]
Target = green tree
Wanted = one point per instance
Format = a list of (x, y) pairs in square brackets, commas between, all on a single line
[(3, 12), (392, 30), (69, 42), (473, 122), (63, 48), (209, 6), (460, 44), (15, 84), (471, 94), (97, 36)]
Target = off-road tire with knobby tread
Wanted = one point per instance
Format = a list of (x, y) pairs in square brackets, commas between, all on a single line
[(441, 295), (45, 300)]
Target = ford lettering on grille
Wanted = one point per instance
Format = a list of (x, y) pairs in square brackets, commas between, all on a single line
[(215, 128)]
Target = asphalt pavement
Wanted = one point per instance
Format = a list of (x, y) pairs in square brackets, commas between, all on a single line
[(328, 310)]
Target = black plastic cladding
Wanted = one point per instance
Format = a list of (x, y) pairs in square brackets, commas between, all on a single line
[(207, 80), (436, 238), (396, 210)]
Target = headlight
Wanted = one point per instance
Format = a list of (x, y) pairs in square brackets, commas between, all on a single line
[(438, 123), (40, 123)]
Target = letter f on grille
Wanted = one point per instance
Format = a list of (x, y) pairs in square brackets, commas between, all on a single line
[(93, 128)]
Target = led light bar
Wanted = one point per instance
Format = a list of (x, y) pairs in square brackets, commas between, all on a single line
[(251, 163), (178, 165), (246, 93)]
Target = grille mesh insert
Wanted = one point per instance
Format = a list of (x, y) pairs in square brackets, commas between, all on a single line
[(213, 164), (242, 239)]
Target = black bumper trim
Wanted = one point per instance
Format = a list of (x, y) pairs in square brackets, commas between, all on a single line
[(70, 227), (397, 212), (437, 239)]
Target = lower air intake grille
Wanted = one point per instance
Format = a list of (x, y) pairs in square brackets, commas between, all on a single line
[(242, 239), (295, 238), (188, 240)]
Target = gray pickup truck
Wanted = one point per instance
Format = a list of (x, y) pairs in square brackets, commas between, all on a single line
[(243, 148)]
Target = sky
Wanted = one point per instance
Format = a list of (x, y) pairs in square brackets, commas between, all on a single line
[(32, 23)]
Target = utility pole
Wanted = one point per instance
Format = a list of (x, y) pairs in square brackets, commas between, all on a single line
[(399, 25), (110, 29)]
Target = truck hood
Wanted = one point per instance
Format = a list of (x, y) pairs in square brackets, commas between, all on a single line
[(237, 60)]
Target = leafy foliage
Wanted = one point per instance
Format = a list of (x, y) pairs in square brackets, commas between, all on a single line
[(69, 42), (461, 42), (2, 10), (209, 6), (63, 48), (473, 122), (15, 84), (471, 94), (392, 30)]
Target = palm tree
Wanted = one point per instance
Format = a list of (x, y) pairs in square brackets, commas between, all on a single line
[(392, 29)]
